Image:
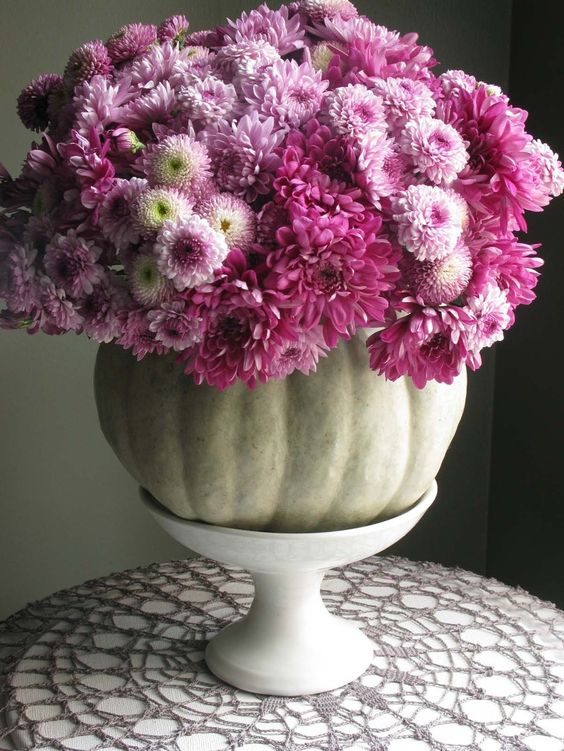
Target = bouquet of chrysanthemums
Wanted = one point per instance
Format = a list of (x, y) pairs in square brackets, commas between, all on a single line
[(248, 196)]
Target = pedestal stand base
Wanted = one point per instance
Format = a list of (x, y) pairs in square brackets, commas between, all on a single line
[(289, 644)]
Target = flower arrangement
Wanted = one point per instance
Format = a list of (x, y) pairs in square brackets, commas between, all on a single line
[(246, 197)]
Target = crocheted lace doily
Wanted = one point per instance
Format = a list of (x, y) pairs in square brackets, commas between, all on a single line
[(460, 662)]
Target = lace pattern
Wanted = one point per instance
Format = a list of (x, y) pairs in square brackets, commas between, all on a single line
[(460, 662)]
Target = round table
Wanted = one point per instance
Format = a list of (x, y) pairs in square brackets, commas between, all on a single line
[(460, 662)]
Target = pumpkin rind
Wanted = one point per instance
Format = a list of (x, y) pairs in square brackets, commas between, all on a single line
[(336, 449)]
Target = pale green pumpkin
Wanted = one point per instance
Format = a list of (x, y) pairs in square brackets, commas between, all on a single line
[(340, 448)]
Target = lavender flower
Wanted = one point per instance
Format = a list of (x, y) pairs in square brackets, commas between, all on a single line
[(33, 102), (71, 262), (89, 60), (173, 326)]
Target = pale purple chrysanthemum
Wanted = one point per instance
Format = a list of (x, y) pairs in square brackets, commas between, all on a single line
[(33, 102), (163, 62), (178, 161), (147, 285), (173, 29), (271, 218), (284, 32), (319, 10), (232, 217), (437, 149), (204, 38), (322, 53), (288, 92), (440, 281), (493, 314), (71, 262), (114, 218), (102, 309), (546, 167), (18, 278), (189, 250), (89, 60), (98, 103), (131, 40), (155, 206), (453, 80), (125, 141), (246, 60), (209, 100), (138, 337), (173, 326), (156, 106), (301, 354), (381, 168), (404, 99), (428, 218), (346, 31), (354, 111), (59, 311), (244, 157)]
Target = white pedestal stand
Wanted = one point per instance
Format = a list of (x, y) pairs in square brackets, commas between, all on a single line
[(288, 643)]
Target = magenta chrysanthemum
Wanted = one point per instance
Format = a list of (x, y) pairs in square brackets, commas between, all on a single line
[(178, 161), (173, 29), (173, 326), (71, 262), (209, 100), (155, 206), (89, 60), (440, 281), (277, 27), (492, 315), (381, 168), (130, 41), (437, 149), (243, 154), (232, 217), (189, 250), (319, 10), (289, 93), (115, 217), (271, 218), (429, 222), (355, 111), (33, 102)]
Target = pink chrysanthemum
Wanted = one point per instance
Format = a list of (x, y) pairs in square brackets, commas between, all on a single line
[(89, 60), (355, 111), (33, 102), (98, 103), (404, 99), (288, 92), (138, 337), (510, 265), (155, 206), (189, 250), (115, 218), (246, 60), (338, 279), (72, 263), (156, 106), (452, 80), (284, 32), (148, 286), (59, 311), (131, 40), (271, 218), (163, 62), (319, 10), (101, 310), (381, 168), (436, 148), (427, 344), (173, 29), (428, 219), (243, 154), (178, 161), (440, 281), (546, 167), (209, 100), (492, 314), (173, 326), (301, 354), (232, 217)]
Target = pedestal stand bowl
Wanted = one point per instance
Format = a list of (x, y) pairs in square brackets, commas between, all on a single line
[(288, 644)]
